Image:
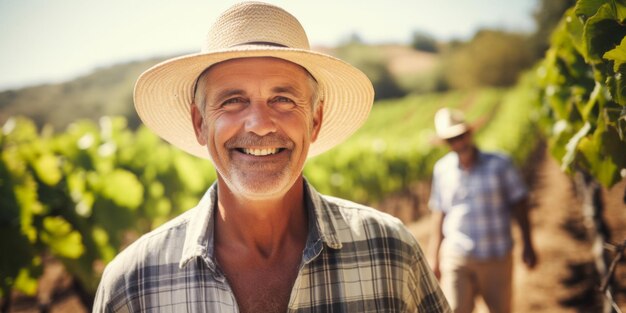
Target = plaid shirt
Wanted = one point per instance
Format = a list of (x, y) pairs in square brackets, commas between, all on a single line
[(356, 259), (477, 204)]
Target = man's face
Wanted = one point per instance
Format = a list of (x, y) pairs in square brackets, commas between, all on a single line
[(257, 124), (461, 143)]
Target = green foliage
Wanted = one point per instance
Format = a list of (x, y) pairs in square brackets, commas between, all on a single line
[(80, 195), (397, 144), (491, 58), (423, 42), (84, 194), (547, 17), (581, 84), (424, 82), (513, 128), (106, 91)]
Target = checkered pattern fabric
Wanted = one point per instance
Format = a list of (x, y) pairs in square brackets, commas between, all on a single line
[(477, 204), (356, 259)]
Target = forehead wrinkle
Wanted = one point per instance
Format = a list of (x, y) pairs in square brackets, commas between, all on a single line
[(288, 89), (222, 94)]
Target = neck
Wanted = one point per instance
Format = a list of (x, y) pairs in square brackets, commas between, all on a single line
[(263, 225), (468, 157)]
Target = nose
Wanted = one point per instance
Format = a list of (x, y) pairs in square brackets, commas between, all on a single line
[(259, 119)]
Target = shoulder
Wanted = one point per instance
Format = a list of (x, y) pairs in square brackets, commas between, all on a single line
[(446, 161), (160, 246), (359, 222), (500, 157), (497, 160), (148, 247), (355, 211)]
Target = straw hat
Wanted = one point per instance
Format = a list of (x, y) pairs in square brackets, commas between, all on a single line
[(164, 93), (450, 123)]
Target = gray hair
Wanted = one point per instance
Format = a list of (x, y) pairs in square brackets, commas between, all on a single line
[(199, 93)]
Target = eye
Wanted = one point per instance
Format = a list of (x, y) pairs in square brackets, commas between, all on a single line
[(234, 103), (283, 99), (283, 103)]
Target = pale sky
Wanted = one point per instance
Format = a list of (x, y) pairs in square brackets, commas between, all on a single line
[(43, 41)]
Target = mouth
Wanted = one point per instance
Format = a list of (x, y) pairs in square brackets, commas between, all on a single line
[(260, 152)]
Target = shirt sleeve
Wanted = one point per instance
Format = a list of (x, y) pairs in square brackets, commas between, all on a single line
[(110, 296), (425, 293), (100, 303), (434, 201), (515, 188)]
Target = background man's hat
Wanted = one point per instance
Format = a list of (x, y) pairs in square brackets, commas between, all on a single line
[(164, 93), (450, 123)]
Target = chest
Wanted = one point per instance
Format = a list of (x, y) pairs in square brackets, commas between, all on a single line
[(261, 286), (478, 185), (339, 280), (266, 290)]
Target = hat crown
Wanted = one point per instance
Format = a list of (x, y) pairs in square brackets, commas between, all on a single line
[(449, 123), (164, 93), (256, 23)]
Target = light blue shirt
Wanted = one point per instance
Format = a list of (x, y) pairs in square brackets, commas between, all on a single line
[(477, 204)]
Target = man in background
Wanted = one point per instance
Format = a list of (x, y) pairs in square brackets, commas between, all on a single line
[(473, 195)]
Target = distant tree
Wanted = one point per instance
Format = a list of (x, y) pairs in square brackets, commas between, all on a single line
[(423, 42), (370, 60), (491, 58), (106, 91), (354, 39)]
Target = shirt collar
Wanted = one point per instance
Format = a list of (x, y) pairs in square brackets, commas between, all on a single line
[(324, 217), (480, 159), (200, 228), (199, 237)]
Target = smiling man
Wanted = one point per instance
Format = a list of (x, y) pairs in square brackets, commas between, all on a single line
[(258, 102)]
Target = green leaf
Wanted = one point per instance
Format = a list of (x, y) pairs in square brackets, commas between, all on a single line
[(575, 29), (156, 189), (26, 195), (62, 239), (602, 33), (620, 9), (587, 8), (123, 188), (26, 282), (101, 238), (617, 55), (19, 258), (160, 207), (47, 169), (188, 173), (604, 154)]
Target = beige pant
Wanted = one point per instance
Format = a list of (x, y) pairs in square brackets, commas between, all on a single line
[(462, 279)]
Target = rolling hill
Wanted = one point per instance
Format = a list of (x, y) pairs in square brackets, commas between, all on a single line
[(108, 91)]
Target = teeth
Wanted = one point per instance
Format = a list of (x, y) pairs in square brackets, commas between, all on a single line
[(260, 152)]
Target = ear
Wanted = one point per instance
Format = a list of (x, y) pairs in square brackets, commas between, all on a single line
[(198, 125), (318, 116)]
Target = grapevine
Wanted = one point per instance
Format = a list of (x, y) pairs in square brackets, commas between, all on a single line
[(83, 194), (583, 90)]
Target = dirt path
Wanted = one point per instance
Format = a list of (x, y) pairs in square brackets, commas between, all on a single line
[(564, 279)]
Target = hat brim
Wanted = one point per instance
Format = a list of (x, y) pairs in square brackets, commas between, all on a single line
[(453, 131), (163, 94)]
